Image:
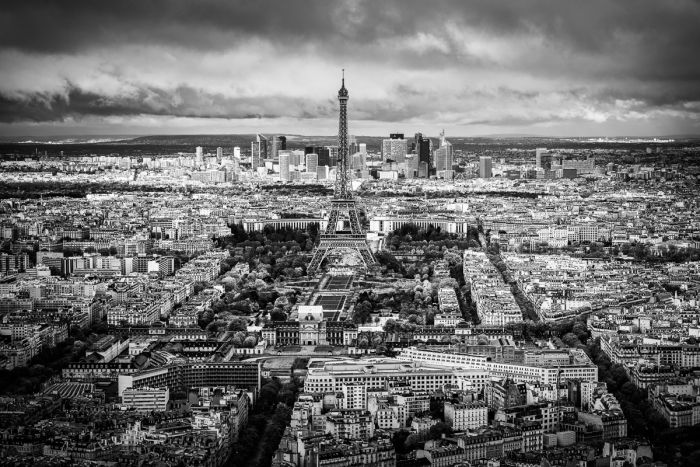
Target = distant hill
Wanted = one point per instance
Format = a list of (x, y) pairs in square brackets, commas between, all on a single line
[(156, 145)]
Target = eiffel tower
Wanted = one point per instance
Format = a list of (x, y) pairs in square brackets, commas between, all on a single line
[(343, 205)]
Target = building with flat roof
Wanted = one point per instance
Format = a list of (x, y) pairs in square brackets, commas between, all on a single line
[(579, 367), (331, 376), (146, 399), (180, 376)]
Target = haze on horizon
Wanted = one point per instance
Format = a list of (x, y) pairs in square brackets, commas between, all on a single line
[(548, 68)]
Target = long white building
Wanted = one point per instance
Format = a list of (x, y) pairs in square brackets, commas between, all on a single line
[(332, 376), (580, 366)]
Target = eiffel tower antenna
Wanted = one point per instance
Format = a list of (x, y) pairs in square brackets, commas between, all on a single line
[(343, 203)]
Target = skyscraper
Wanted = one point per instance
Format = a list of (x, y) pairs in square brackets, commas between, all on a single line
[(395, 148), (323, 154), (219, 154), (284, 157), (258, 151), (311, 162), (422, 147), (332, 155), (443, 157), (543, 159), (278, 143), (237, 152), (485, 167), (352, 145)]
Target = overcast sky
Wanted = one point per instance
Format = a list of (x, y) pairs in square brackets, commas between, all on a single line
[(561, 68)]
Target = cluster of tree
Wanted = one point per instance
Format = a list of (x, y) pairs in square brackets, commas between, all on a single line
[(413, 233), (250, 295), (526, 307), (430, 249), (281, 249), (389, 263), (417, 305), (36, 189), (405, 442), (566, 333), (297, 190), (370, 339), (270, 415), (642, 419), (668, 253), (49, 362), (296, 215), (242, 339)]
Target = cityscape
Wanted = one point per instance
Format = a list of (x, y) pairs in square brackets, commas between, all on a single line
[(370, 289)]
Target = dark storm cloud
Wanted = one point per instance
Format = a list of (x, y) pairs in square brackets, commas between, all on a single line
[(180, 102), (577, 58), (592, 26)]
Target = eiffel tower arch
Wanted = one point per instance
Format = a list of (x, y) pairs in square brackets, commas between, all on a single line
[(343, 206)]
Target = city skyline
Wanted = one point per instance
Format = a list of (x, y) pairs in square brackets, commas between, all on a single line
[(475, 69)]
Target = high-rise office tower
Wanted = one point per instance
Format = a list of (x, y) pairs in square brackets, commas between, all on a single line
[(277, 144), (412, 162), (219, 153), (311, 162), (363, 148), (543, 159), (274, 148), (358, 161), (395, 148), (332, 155), (422, 169), (422, 147), (199, 152), (284, 157), (237, 152), (258, 151), (485, 167), (297, 157), (443, 155), (352, 145)]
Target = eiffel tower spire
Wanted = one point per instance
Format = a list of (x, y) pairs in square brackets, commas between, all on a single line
[(342, 190), (343, 203)]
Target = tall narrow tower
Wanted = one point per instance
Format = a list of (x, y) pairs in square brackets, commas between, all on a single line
[(343, 205), (342, 191)]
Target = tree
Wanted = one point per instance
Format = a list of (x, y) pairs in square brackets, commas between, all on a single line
[(437, 430), (571, 340), (278, 315), (390, 326), (250, 342), (238, 324), (238, 339), (199, 286)]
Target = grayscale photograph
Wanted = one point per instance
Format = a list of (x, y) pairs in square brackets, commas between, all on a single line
[(350, 233)]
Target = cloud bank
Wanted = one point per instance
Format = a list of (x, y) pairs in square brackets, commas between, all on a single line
[(543, 67)]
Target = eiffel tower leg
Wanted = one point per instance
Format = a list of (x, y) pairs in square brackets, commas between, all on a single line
[(367, 256), (317, 259), (354, 221), (332, 221)]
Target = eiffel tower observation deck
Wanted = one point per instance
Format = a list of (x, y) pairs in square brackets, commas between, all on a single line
[(350, 238)]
